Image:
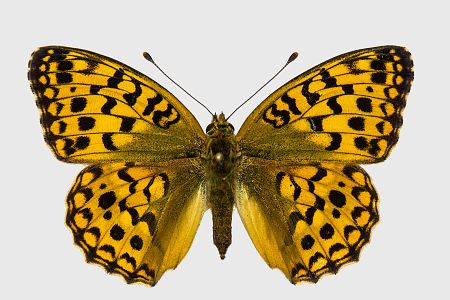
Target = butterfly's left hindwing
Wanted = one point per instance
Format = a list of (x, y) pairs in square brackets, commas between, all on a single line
[(306, 220), (136, 220), (94, 108)]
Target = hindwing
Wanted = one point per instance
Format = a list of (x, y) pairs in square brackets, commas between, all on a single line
[(306, 220), (137, 220)]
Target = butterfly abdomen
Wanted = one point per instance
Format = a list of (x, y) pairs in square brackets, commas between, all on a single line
[(221, 201)]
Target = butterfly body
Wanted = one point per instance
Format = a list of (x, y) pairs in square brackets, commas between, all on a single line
[(221, 155), (291, 170)]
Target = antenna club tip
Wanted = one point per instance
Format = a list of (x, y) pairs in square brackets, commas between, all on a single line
[(148, 57), (292, 57)]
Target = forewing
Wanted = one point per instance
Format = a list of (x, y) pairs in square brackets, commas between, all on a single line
[(96, 109), (306, 220), (347, 109), (135, 220)]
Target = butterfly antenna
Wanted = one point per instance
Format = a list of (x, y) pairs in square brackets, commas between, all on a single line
[(150, 59), (290, 59)]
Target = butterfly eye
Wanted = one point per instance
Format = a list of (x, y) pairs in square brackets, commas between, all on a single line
[(209, 128), (231, 126)]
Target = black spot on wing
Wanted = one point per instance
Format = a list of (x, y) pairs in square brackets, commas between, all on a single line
[(106, 200), (78, 104), (62, 127), (348, 230), (161, 118), (291, 103), (110, 104), (337, 198), (336, 140), (336, 213), (109, 249), (380, 127), (117, 233), (95, 231), (136, 242), (326, 232), (374, 148), (315, 258), (278, 118), (125, 176), (150, 219), (65, 65), (68, 147), (134, 215), (329, 81), (356, 123), (361, 143), (378, 65), (127, 124), (321, 173), (86, 123), (94, 89), (107, 142), (113, 82), (379, 77), (279, 178), (334, 105), (309, 214), (87, 193), (107, 215), (82, 142), (335, 248), (307, 242), (319, 203), (297, 188), (131, 97), (311, 98), (64, 77), (316, 123), (364, 104), (348, 89), (129, 259), (151, 103), (86, 214)]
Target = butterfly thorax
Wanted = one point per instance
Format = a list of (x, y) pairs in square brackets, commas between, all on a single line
[(221, 146), (221, 153)]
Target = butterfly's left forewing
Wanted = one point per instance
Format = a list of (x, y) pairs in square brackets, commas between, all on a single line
[(306, 220), (347, 109), (137, 220)]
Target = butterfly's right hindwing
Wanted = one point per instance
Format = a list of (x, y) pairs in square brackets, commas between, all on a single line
[(96, 109), (136, 220)]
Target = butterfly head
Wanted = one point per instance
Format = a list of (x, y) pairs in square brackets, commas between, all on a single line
[(219, 126)]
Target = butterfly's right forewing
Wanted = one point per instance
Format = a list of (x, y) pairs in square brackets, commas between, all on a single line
[(96, 109)]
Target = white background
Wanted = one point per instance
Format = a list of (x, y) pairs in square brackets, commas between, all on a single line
[(222, 53)]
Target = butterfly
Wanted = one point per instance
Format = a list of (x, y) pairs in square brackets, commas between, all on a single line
[(292, 171)]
